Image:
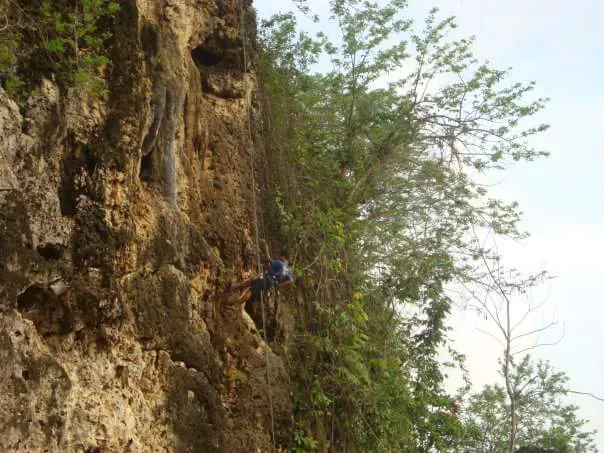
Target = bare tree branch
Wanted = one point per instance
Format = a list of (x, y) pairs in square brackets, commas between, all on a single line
[(591, 395), (536, 331), (491, 335)]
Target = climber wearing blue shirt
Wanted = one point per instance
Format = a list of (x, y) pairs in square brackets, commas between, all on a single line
[(278, 272), (278, 275)]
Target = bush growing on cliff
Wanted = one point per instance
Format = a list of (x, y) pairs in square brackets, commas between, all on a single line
[(63, 39)]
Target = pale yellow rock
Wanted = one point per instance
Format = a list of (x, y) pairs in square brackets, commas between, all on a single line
[(125, 221)]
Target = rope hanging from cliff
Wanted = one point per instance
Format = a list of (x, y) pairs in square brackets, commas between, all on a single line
[(255, 214)]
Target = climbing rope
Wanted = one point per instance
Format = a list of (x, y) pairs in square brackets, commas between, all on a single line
[(257, 237)]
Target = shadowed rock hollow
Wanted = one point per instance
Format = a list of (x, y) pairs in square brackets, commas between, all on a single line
[(124, 223)]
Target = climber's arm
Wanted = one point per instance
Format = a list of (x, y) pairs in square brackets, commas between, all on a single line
[(287, 283)]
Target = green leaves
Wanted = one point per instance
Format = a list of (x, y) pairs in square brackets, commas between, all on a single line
[(65, 38), (303, 443), (373, 161), (57, 45), (543, 419)]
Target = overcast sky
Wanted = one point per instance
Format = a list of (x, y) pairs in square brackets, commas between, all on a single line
[(558, 44)]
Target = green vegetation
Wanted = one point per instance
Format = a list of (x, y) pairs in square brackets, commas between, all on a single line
[(62, 39), (376, 140), (544, 419)]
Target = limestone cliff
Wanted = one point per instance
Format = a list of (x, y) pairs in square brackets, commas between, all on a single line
[(123, 223)]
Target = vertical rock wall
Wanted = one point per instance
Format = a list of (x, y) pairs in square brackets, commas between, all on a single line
[(123, 223)]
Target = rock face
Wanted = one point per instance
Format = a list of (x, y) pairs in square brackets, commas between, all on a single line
[(123, 223)]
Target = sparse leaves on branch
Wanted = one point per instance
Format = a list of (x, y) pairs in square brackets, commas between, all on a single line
[(544, 419)]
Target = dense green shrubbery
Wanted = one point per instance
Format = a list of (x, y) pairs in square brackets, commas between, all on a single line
[(63, 39)]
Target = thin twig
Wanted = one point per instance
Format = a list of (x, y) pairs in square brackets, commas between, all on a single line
[(591, 395)]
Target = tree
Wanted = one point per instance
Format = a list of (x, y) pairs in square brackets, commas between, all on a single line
[(499, 293), (543, 420), (375, 160)]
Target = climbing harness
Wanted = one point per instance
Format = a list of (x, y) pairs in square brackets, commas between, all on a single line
[(255, 214)]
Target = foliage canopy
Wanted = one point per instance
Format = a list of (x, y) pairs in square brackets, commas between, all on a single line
[(377, 137)]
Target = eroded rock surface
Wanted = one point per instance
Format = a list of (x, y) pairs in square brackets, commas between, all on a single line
[(123, 223)]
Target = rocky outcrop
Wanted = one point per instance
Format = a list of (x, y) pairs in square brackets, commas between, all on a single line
[(123, 223)]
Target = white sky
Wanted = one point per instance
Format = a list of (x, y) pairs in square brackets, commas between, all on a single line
[(559, 44)]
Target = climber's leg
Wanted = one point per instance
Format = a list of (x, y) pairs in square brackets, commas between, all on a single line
[(244, 284), (244, 297), (257, 287), (253, 293)]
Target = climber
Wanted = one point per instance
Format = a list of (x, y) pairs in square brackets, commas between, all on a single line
[(278, 275)]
